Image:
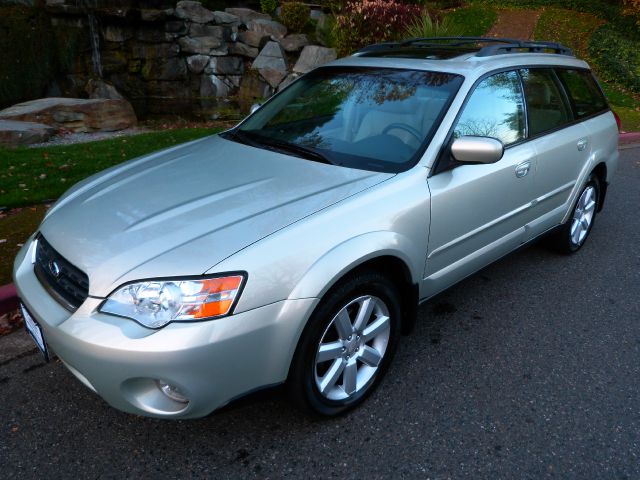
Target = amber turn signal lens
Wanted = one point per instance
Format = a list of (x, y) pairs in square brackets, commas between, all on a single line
[(221, 293)]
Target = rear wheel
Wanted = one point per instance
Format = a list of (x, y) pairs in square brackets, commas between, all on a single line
[(571, 237), (347, 345)]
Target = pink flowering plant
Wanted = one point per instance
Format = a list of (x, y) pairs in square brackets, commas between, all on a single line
[(364, 22)]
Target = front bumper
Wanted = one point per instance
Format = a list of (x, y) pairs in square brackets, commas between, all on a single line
[(210, 362)]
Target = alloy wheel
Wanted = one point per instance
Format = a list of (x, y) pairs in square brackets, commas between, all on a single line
[(352, 347)]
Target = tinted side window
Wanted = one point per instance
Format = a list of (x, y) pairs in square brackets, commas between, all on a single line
[(495, 109), (586, 97), (545, 104)]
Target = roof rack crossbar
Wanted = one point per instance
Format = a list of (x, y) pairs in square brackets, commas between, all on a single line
[(499, 45)]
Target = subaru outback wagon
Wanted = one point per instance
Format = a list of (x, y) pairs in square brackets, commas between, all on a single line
[(296, 247)]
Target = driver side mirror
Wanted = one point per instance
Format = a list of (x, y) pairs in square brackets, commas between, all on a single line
[(477, 149)]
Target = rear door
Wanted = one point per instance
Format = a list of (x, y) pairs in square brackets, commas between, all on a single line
[(479, 211), (557, 100)]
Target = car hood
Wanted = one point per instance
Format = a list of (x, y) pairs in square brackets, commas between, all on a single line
[(181, 211)]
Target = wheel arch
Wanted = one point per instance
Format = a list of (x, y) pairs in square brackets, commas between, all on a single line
[(600, 170), (395, 256)]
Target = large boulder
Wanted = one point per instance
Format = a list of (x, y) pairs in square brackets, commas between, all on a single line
[(246, 14), (196, 63), (226, 66), (215, 86), (14, 133), (253, 39), (271, 56), (216, 31), (193, 11), (267, 28), (155, 15), (75, 114), (313, 56), (226, 18), (242, 49), (295, 42), (201, 45), (271, 63)]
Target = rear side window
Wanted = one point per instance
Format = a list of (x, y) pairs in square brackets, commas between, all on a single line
[(495, 109), (586, 98), (546, 106)]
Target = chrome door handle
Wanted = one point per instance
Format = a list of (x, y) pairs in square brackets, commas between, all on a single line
[(523, 169), (582, 143)]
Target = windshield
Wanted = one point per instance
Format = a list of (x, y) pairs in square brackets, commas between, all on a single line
[(376, 119)]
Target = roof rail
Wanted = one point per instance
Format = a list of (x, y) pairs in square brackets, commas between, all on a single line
[(499, 45)]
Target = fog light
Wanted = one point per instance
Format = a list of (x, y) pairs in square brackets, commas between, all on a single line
[(172, 391)]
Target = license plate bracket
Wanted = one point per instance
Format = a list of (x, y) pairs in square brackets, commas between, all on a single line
[(35, 331)]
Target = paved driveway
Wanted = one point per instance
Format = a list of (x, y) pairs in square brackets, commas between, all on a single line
[(530, 368)]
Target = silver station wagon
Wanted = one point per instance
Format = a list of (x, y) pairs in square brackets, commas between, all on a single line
[(296, 247)]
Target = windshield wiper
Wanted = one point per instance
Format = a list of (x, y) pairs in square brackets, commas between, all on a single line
[(260, 141), (241, 137), (298, 150)]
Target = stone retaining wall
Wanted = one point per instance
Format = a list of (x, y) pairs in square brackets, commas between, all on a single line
[(183, 51)]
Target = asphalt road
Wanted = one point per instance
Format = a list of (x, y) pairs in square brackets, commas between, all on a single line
[(529, 369)]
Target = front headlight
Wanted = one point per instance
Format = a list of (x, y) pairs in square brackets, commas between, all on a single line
[(155, 303)]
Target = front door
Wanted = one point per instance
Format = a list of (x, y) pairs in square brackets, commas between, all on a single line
[(479, 211)]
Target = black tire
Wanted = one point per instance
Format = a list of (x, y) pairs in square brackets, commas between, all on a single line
[(562, 240), (302, 385)]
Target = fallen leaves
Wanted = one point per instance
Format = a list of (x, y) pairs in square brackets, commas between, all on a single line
[(10, 322)]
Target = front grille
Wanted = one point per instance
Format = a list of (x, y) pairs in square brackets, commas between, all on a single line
[(66, 283)]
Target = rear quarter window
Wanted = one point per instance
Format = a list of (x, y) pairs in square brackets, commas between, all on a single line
[(585, 95)]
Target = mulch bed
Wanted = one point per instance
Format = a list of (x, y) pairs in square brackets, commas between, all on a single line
[(516, 23)]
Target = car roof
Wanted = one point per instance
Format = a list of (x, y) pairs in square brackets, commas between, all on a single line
[(468, 56)]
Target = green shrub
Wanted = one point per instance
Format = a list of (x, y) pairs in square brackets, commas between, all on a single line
[(269, 6), (617, 56), (365, 22), (294, 16), (326, 31), (425, 26)]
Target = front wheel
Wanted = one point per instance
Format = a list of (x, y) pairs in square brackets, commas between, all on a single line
[(347, 345), (571, 237)]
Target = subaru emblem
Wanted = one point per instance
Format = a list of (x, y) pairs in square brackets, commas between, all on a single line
[(54, 268)]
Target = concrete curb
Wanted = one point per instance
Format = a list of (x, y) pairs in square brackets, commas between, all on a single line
[(9, 295), (627, 138), (8, 298)]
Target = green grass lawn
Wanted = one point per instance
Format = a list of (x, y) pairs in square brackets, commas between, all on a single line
[(34, 175), (574, 30), (474, 20)]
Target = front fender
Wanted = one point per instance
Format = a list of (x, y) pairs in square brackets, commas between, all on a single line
[(348, 255)]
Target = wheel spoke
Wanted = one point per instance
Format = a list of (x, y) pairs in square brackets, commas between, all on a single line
[(376, 328), (364, 313), (589, 206), (574, 225), (585, 223), (370, 356), (332, 375), (350, 377), (343, 324), (576, 236), (329, 351)]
